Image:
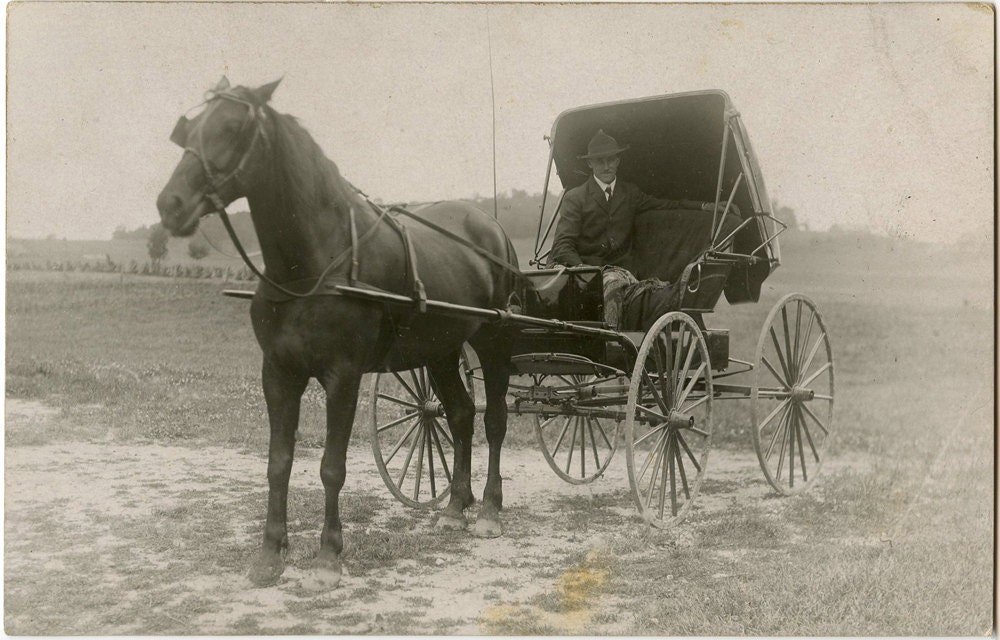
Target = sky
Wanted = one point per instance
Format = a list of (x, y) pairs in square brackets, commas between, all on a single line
[(878, 116)]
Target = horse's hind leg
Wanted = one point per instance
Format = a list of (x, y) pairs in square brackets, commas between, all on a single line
[(283, 394), (493, 348), (460, 412)]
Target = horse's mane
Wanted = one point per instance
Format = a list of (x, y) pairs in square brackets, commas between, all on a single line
[(307, 179)]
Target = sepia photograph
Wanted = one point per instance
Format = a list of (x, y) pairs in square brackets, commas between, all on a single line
[(500, 319)]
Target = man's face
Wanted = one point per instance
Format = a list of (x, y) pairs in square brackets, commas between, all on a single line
[(605, 169)]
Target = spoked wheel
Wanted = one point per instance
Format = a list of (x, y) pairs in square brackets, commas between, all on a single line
[(668, 419), (410, 435), (792, 396), (578, 447)]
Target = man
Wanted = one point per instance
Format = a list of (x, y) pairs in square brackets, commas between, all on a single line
[(596, 220)]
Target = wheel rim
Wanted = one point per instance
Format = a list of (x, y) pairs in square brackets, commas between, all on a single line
[(792, 395), (410, 436), (668, 419), (578, 447)]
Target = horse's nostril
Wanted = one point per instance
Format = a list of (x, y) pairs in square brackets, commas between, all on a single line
[(168, 204)]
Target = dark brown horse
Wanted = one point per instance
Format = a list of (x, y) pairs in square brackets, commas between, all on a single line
[(308, 218)]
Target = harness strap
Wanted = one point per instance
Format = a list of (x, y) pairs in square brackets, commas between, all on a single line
[(457, 238), (353, 275), (418, 286)]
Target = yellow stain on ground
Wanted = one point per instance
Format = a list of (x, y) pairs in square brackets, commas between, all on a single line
[(576, 593)]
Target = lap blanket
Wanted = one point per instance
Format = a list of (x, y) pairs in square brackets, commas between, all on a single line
[(645, 301)]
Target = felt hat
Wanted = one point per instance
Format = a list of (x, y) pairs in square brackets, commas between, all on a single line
[(601, 146)]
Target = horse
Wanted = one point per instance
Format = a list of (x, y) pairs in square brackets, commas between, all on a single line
[(316, 231)]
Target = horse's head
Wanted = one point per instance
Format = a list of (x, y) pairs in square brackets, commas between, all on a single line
[(221, 146)]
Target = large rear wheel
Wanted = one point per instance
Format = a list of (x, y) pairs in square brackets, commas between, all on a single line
[(792, 396), (668, 419), (410, 436)]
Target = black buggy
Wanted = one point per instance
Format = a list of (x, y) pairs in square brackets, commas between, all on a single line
[(653, 386)]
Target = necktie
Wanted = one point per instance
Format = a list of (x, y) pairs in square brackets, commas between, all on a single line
[(607, 190)]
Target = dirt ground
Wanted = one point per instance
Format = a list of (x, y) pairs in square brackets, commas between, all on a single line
[(76, 509)]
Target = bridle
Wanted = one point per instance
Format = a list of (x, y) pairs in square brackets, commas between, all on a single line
[(181, 136)]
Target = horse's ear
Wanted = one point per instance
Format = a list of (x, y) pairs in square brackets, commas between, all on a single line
[(221, 85), (264, 92)]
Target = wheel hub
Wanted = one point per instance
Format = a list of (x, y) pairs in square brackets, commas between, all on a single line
[(433, 409), (678, 420), (801, 394)]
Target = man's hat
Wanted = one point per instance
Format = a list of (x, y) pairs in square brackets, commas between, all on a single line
[(602, 145)]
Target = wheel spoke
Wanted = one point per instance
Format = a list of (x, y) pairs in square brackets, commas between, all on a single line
[(788, 344), (792, 430), (440, 450), (697, 403), (406, 464), (416, 383), (799, 427), (812, 354), (690, 386), (816, 374), (781, 450), (657, 471), (385, 396), (444, 432), (662, 433), (572, 443), (562, 435), (779, 429), (583, 447), (687, 450), (656, 394), (659, 416), (770, 416), (671, 448), (406, 386), (430, 460), (805, 340), (680, 467), (682, 373), (420, 465), (604, 436), (399, 444), (798, 333), (652, 430), (805, 428), (781, 357), (817, 420), (777, 376), (392, 424), (593, 442)]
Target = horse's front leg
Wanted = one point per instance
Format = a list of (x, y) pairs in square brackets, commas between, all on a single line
[(496, 378), (341, 402), (283, 394)]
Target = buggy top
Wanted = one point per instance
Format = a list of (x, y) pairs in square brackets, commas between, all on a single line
[(684, 146)]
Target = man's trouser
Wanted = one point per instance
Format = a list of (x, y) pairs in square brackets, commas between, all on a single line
[(616, 280)]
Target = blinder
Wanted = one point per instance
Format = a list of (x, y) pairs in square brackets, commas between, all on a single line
[(180, 133)]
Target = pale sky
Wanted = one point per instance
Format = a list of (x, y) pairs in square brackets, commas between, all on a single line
[(878, 116)]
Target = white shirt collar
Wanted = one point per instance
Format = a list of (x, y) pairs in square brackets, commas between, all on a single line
[(604, 186)]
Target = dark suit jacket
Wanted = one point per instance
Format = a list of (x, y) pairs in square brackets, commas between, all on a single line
[(594, 231)]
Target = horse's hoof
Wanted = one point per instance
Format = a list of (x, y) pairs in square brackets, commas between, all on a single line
[(323, 575), (448, 522), (486, 528), (266, 569)]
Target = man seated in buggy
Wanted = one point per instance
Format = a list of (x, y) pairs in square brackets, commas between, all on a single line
[(597, 223)]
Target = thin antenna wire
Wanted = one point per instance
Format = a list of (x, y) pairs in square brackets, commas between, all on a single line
[(493, 104)]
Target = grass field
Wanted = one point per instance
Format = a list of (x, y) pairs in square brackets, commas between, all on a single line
[(899, 544)]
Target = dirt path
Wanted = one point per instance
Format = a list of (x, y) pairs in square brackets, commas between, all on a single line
[(110, 538)]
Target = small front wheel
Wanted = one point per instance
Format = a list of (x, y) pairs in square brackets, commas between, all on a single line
[(410, 436), (577, 445), (668, 419)]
